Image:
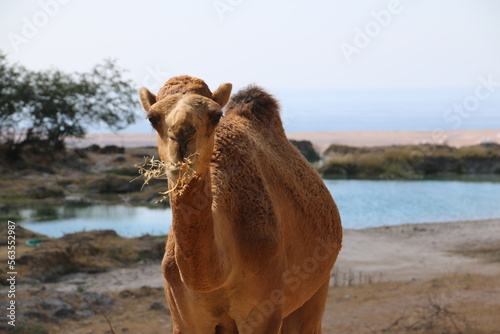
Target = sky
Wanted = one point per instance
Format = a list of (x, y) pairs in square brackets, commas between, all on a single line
[(295, 49)]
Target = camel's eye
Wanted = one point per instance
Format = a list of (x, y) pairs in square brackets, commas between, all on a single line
[(215, 117), (154, 120)]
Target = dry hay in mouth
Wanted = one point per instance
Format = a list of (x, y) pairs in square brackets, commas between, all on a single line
[(157, 169)]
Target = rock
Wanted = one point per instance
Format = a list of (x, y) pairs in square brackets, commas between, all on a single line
[(99, 299), (151, 248), (46, 170), (64, 313), (52, 303), (58, 307), (77, 281), (113, 184), (126, 294), (73, 161), (84, 306), (32, 302), (84, 314), (306, 149), (112, 149), (93, 148), (82, 153), (34, 314), (129, 187), (157, 306)]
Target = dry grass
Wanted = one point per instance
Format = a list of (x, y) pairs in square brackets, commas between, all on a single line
[(490, 254), (153, 169), (431, 317), (411, 161), (477, 151), (351, 278)]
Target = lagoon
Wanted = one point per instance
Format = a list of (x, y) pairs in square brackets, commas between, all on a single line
[(362, 204), (365, 204)]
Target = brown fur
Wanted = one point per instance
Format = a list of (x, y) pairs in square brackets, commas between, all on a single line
[(184, 85), (256, 233)]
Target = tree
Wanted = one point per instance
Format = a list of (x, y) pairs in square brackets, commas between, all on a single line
[(49, 106), (12, 89)]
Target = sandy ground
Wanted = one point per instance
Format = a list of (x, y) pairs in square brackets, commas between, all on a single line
[(418, 252), (380, 275), (322, 140)]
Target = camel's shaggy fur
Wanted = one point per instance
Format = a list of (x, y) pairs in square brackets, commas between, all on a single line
[(183, 85), (255, 232)]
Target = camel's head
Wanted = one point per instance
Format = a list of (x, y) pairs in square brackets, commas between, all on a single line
[(184, 115)]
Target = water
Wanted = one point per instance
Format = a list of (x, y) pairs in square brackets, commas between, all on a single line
[(127, 221), (362, 203), (365, 203)]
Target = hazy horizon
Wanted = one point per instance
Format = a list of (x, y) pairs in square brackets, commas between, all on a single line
[(382, 64), (376, 110)]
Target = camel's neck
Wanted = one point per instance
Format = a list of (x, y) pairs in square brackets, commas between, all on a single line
[(196, 252)]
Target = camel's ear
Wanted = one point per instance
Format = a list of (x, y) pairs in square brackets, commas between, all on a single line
[(147, 98), (222, 94)]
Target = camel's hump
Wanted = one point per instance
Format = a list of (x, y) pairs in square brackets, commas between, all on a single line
[(254, 103)]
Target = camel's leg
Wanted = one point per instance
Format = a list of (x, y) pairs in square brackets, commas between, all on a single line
[(174, 310), (260, 324), (307, 318), (190, 321)]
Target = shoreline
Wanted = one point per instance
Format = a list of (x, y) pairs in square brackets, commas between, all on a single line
[(371, 228), (429, 224), (321, 140)]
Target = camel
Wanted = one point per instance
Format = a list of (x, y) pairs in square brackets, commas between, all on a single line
[(255, 232)]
